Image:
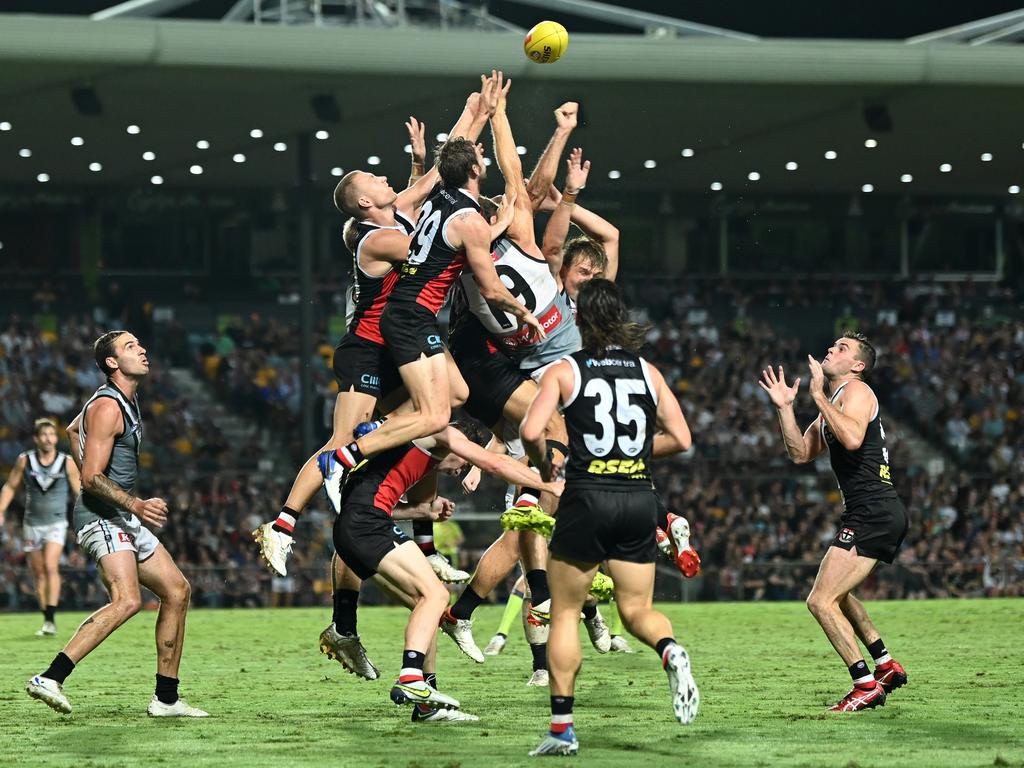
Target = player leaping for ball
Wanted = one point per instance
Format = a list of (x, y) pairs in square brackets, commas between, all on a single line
[(874, 520), (450, 235)]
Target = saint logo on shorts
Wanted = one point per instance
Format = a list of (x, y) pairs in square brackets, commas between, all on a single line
[(846, 535), (124, 537)]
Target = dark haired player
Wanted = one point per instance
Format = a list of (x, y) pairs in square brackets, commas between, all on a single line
[(112, 525), (874, 520), (620, 414), (48, 476)]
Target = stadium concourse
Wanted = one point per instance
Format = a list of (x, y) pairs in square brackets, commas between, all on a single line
[(759, 523)]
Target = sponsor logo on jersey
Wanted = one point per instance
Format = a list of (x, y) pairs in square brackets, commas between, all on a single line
[(592, 363), (634, 468), (434, 340), (370, 380), (846, 535), (524, 336)]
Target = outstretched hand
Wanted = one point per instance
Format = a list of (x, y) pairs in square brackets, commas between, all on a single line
[(781, 394), (576, 171), (417, 140), (565, 115)]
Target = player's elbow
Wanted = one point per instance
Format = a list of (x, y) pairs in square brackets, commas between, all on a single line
[(89, 480), (531, 433), (853, 442)]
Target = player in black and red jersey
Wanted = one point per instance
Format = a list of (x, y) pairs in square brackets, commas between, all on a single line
[(874, 520), (620, 414), (378, 236), (366, 537), (450, 235)]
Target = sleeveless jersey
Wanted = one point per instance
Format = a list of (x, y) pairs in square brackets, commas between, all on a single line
[(569, 302), (531, 282), (611, 419), (371, 293), (383, 479), (433, 263), (863, 474), (46, 490), (123, 467)]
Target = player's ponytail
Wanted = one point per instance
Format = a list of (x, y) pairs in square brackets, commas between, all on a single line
[(603, 319)]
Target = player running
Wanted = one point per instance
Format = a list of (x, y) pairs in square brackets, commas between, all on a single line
[(48, 476), (614, 403), (111, 522), (366, 537), (874, 521)]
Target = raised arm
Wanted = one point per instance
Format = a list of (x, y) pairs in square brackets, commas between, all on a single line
[(521, 228), (103, 422), (602, 231), (543, 175), (10, 489), (849, 420), (801, 447), (418, 147), (557, 228), (479, 107)]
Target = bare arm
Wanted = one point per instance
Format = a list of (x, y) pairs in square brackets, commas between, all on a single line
[(103, 422), (555, 386), (471, 480), (602, 231), (849, 421), (418, 146), (521, 228), (544, 174), (557, 229), (471, 233), (73, 438), (801, 447), (74, 479), (10, 489), (509, 470), (388, 246), (674, 435)]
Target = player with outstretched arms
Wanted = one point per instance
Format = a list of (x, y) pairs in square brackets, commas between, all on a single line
[(113, 528), (620, 414), (874, 521)]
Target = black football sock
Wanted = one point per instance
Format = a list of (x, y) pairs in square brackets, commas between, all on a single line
[(878, 652), (344, 617), (166, 689), (59, 668), (540, 656), (412, 666), (538, 581), (662, 645), (861, 674), (466, 604), (286, 520), (589, 611), (561, 713), (48, 613), (350, 455), (423, 535)]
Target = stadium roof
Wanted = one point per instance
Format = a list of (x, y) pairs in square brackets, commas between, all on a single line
[(743, 107)]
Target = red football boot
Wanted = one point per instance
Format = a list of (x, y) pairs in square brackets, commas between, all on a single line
[(891, 675), (686, 557), (861, 697)]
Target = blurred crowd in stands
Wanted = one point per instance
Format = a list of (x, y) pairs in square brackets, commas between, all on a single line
[(950, 374)]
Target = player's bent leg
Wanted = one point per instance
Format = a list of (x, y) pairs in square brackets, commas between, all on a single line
[(888, 672), (634, 593), (340, 640), (840, 572)]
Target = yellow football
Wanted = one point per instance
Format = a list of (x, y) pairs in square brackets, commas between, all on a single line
[(546, 42)]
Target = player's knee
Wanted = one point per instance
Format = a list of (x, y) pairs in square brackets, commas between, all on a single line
[(817, 603), (128, 605)]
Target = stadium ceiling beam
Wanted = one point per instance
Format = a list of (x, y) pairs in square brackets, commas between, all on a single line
[(635, 19), (242, 10), (1005, 35), (139, 9), (975, 31)]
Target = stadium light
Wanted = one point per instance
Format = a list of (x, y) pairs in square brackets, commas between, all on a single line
[(442, 137), (487, 162), (650, 164), (95, 167), (336, 171), (238, 157), (202, 144), (520, 150), (687, 152), (1014, 189), (870, 143), (867, 188), (791, 166), (196, 170), (256, 133), (156, 180), (133, 129), (280, 146), (614, 175), (754, 176), (373, 160), (5, 126), (322, 135), (945, 168), (148, 156), (43, 178), (77, 141), (986, 157), (906, 178), (407, 149), (716, 186), (831, 155), (24, 152)]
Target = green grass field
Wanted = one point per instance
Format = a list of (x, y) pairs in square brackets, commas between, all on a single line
[(765, 672)]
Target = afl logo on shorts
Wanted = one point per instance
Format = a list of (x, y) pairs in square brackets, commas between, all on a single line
[(846, 535)]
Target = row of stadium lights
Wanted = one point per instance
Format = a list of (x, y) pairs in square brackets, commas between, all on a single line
[(373, 160)]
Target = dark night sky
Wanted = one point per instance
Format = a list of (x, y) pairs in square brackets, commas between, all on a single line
[(877, 19)]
